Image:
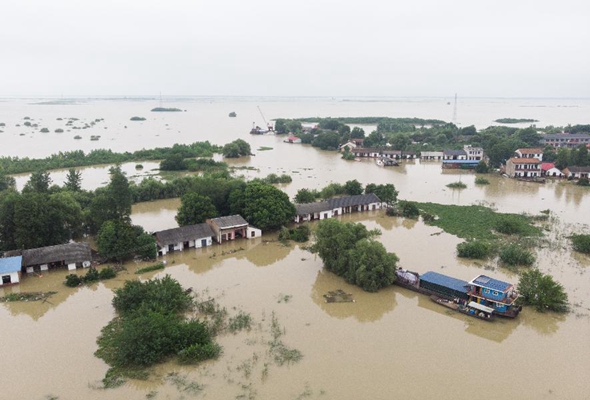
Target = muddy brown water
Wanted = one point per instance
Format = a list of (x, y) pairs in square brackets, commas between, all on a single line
[(391, 344)]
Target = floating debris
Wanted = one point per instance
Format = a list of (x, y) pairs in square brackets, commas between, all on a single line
[(26, 296), (338, 296)]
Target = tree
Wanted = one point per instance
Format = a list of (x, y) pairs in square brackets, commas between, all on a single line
[(73, 181), (117, 240), (174, 162), (563, 158), (579, 156), (375, 139), (542, 292), (353, 187), (8, 201), (399, 141), (529, 136), (267, 207), (65, 218), (327, 141), (482, 167), (357, 133), (39, 182), (146, 247), (6, 182), (371, 266), (119, 193), (236, 149), (195, 209), (306, 196), (386, 193), (31, 221)]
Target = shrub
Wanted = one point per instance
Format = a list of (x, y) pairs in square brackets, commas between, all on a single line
[(457, 185), (542, 292), (138, 166), (154, 267), (199, 352), (482, 168), (73, 280), (513, 254), (583, 182), (427, 217), (481, 181), (240, 322), (44, 130), (107, 273), (477, 249), (347, 155), (581, 243), (508, 226), (91, 276), (408, 209)]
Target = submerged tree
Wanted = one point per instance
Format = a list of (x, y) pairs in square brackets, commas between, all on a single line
[(73, 180), (195, 209), (542, 292)]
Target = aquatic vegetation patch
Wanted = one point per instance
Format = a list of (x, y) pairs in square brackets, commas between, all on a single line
[(150, 268), (481, 181), (515, 254), (581, 243), (476, 222), (264, 148), (26, 296), (477, 249), (93, 275), (457, 185), (282, 354), (241, 321)]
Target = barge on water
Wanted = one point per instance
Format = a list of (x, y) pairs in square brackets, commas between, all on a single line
[(483, 290)]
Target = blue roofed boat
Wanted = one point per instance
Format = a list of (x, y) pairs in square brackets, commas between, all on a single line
[(481, 293)]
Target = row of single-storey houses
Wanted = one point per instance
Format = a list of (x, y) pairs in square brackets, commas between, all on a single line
[(70, 255), (337, 206), (218, 230)]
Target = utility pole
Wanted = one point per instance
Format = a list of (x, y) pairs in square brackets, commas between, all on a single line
[(455, 111)]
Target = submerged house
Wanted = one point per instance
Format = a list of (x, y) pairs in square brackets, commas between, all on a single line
[(232, 227), (548, 169), (178, 239), (312, 211), (490, 292), (337, 206), (577, 172), (529, 167), (293, 140), (10, 270), (431, 155), (70, 255)]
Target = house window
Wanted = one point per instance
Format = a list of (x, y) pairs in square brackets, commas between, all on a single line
[(495, 292), (486, 291)]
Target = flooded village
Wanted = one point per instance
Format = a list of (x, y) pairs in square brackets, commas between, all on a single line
[(394, 343)]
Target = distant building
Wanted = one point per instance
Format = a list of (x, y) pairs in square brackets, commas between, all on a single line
[(178, 239), (454, 155), (70, 255), (473, 153), (313, 211), (337, 206), (523, 167), (549, 170), (10, 270), (431, 155), (378, 153), (293, 140), (574, 172), (231, 228), (569, 140), (529, 153)]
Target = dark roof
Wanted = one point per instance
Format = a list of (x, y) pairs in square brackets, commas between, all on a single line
[(530, 151), (454, 152), (311, 208), (354, 200), (517, 160), (229, 221), (391, 152), (366, 150), (446, 281), (183, 234), (553, 136), (9, 265), (578, 169), (68, 253), (491, 283), (475, 162)]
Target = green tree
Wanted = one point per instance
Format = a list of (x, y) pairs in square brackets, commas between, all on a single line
[(542, 292), (6, 182), (579, 156), (195, 209), (73, 181), (581, 243), (146, 247), (31, 221), (8, 201), (117, 240), (386, 193), (371, 266), (563, 158), (174, 162), (267, 207), (375, 139), (399, 141), (327, 141), (64, 218), (39, 182), (120, 194), (529, 136), (353, 187), (482, 167), (357, 133), (306, 196)]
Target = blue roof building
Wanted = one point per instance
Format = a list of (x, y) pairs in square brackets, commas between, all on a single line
[(10, 269)]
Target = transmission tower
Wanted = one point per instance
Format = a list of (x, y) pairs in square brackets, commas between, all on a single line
[(455, 111)]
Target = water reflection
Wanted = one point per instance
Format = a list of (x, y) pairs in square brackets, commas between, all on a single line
[(368, 307)]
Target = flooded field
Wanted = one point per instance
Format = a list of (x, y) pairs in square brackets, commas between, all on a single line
[(392, 344)]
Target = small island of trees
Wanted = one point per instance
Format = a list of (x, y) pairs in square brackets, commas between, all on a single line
[(515, 120), (165, 109), (138, 118)]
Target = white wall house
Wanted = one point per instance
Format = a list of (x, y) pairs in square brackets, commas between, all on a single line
[(185, 237), (10, 270), (529, 153)]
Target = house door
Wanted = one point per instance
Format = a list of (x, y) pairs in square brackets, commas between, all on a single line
[(170, 247), (6, 279), (204, 243)]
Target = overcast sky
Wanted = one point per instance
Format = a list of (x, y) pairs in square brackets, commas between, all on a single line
[(500, 48)]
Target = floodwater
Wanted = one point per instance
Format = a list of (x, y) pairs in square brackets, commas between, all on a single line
[(392, 344)]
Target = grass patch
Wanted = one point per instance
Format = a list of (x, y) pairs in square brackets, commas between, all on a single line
[(457, 185), (264, 148), (474, 222), (239, 322), (581, 243), (26, 296), (481, 181), (154, 267)]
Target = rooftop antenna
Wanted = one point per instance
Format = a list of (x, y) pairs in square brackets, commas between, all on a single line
[(455, 111)]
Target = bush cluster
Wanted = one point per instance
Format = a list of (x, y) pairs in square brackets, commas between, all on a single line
[(581, 243), (513, 255), (93, 275), (300, 234), (477, 249)]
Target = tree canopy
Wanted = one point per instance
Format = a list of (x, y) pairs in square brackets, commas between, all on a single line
[(195, 209), (542, 292), (266, 207)]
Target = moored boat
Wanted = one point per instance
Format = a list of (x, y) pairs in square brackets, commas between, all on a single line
[(472, 308)]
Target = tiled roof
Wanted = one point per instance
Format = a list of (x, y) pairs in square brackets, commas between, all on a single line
[(68, 253), (183, 234), (229, 221), (578, 169), (516, 160), (546, 166), (446, 281), (349, 201), (530, 151), (9, 265), (311, 208), (491, 283), (454, 153), (553, 136)]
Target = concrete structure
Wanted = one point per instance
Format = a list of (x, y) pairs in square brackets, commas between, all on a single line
[(569, 140), (431, 155), (10, 270), (232, 227), (178, 239), (337, 206), (523, 167), (529, 153), (574, 172), (549, 170), (454, 155), (72, 255), (473, 153)]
